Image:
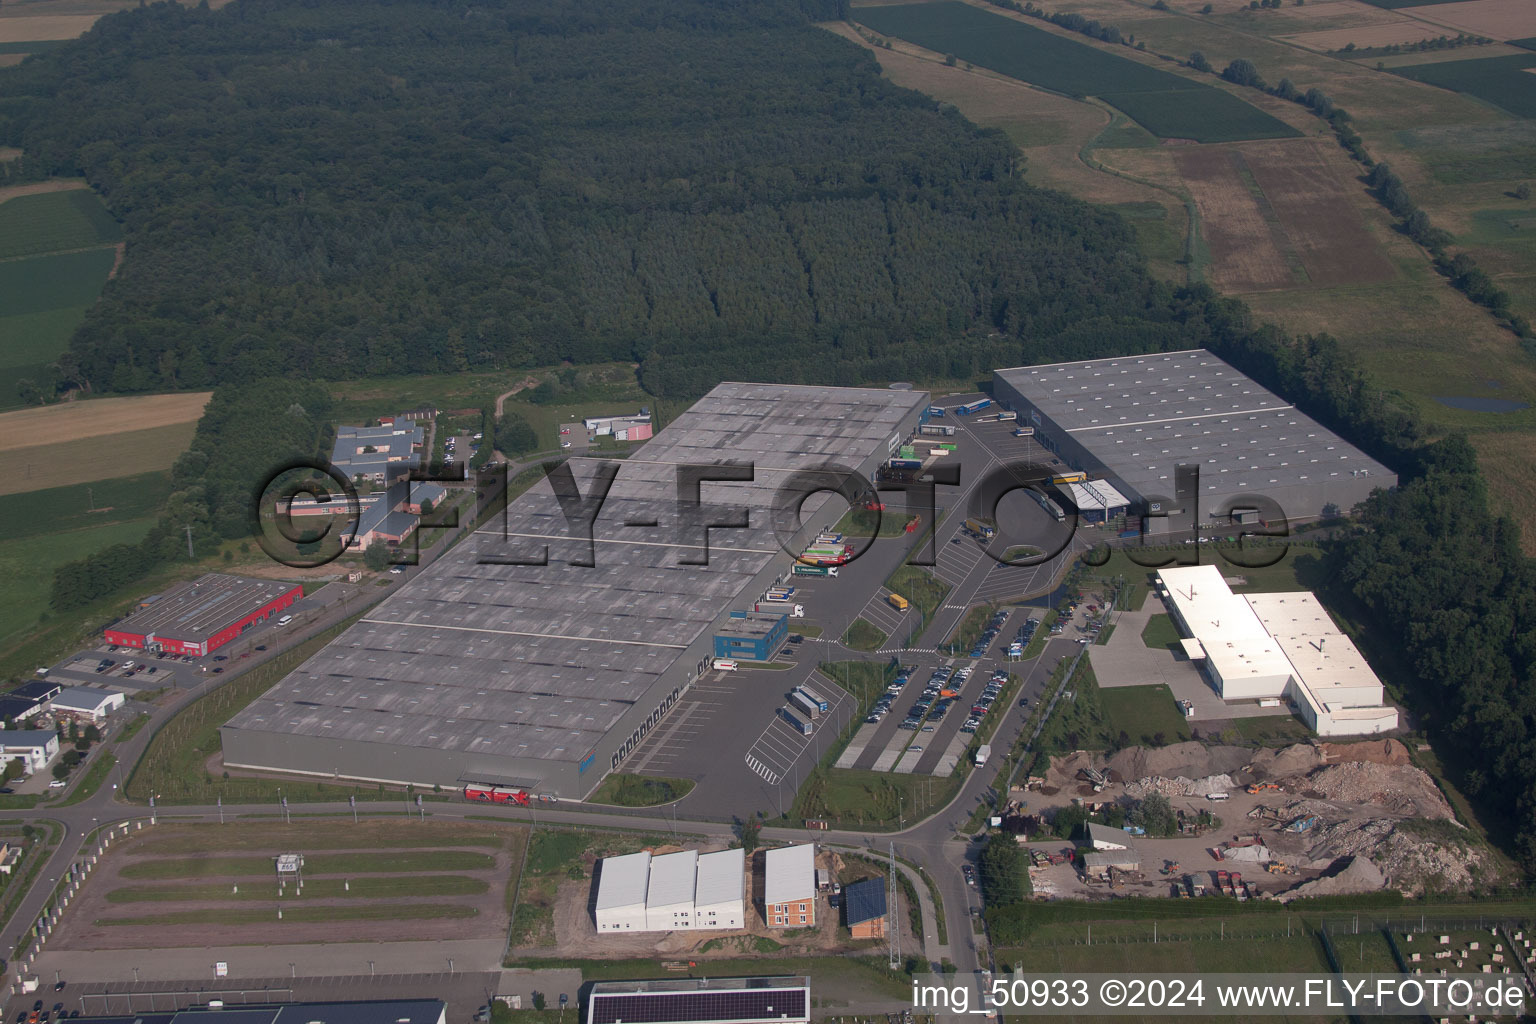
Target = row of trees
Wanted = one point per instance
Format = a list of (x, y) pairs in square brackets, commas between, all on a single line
[(1073, 22)]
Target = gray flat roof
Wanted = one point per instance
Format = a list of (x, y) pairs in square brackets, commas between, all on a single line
[(1143, 415), (195, 611), (750, 626), (540, 661)]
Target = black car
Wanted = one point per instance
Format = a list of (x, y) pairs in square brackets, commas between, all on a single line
[(59, 987), (37, 1007), (261, 647)]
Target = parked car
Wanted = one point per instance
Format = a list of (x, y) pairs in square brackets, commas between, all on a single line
[(57, 784)]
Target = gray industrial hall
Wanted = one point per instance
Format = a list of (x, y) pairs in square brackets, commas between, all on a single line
[(492, 669), (1132, 420)]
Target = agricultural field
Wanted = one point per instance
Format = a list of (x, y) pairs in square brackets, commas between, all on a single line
[(1506, 82), (57, 249), (27, 564), (1166, 104), (360, 881), (80, 442)]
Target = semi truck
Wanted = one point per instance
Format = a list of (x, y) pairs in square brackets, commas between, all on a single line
[(804, 705), (974, 407), (981, 528), (935, 410), (898, 602), (828, 537), (801, 569), (796, 720), (936, 430), (1024, 432), (1051, 508), (983, 753), (1007, 417), (779, 593), (906, 464), (814, 697), (794, 611)]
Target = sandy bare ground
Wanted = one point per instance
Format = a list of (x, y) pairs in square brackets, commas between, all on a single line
[(1497, 19), (80, 929), (33, 27), (74, 421)]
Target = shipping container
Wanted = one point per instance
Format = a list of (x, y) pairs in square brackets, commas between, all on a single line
[(973, 407), (906, 464), (813, 696), (804, 705), (797, 721), (801, 569), (981, 528), (937, 430), (898, 602)]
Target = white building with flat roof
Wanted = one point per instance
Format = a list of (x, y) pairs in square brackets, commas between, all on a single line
[(719, 897), (621, 889), (669, 897), (86, 703), (1276, 645)]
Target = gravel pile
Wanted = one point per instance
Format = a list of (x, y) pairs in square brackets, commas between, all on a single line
[(1402, 789), (1351, 875), (1180, 785), (1191, 760)]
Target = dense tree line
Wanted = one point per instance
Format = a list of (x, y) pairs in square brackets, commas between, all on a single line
[(247, 433), (711, 190)]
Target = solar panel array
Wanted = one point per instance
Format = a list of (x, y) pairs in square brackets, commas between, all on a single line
[(662, 1007)]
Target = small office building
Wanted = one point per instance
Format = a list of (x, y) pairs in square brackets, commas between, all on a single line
[(789, 887), (865, 906), (751, 636), (34, 748), (621, 889), (669, 891)]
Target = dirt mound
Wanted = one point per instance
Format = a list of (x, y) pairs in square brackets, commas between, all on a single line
[(1413, 856), (1402, 788), (1351, 875), (1297, 759), (1387, 752), (1191, 760)]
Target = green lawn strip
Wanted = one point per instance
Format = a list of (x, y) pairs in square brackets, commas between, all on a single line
[(1267, 730), (1160, 632), (91, 781), (875, 800), (863, 636), (925, 591), (314, 864), (851, 977), (554, 850), (18, 801), (1105, 634), (298, 913), (132, 728), (639, 790), (372, 834), (35, 852), (858, 522), (29, 342), (314, 888), (809, 632)]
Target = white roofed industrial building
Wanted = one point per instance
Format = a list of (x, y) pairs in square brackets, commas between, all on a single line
[(719, 898), (669, 897), (672, 892), (621, 888), (86, 703), (1277, 645), (1130, 420)]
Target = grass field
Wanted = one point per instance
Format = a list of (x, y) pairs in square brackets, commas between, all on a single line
[(30, 341), (59, 281), (27, 563), (102, 458), (55, 222), (639, 791), (314, 864), (374, 834), (864, 636), (1160, 632), (82, 506), (1144, 713), (1166, 104), (1503, 81), (924, 590)]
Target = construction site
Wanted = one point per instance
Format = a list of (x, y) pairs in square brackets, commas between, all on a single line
[(1311, 819)]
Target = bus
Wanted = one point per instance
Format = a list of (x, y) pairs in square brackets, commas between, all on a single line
[(486, 794), (814, 697), (797, 721)]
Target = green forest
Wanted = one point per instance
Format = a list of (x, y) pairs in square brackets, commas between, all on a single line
[(712, 189)]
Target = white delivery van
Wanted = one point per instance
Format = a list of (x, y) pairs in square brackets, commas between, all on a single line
[(725, 665), (285, 620)]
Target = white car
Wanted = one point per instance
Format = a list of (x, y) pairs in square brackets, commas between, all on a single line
[(396, 571), (57, 784), (565, 444)]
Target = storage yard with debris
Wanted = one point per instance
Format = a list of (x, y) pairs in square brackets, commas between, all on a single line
[(1305, 820)]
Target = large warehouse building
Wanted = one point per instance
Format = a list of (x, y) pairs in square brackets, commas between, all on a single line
[(198, 618), (1131, 420), (528, 656)]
